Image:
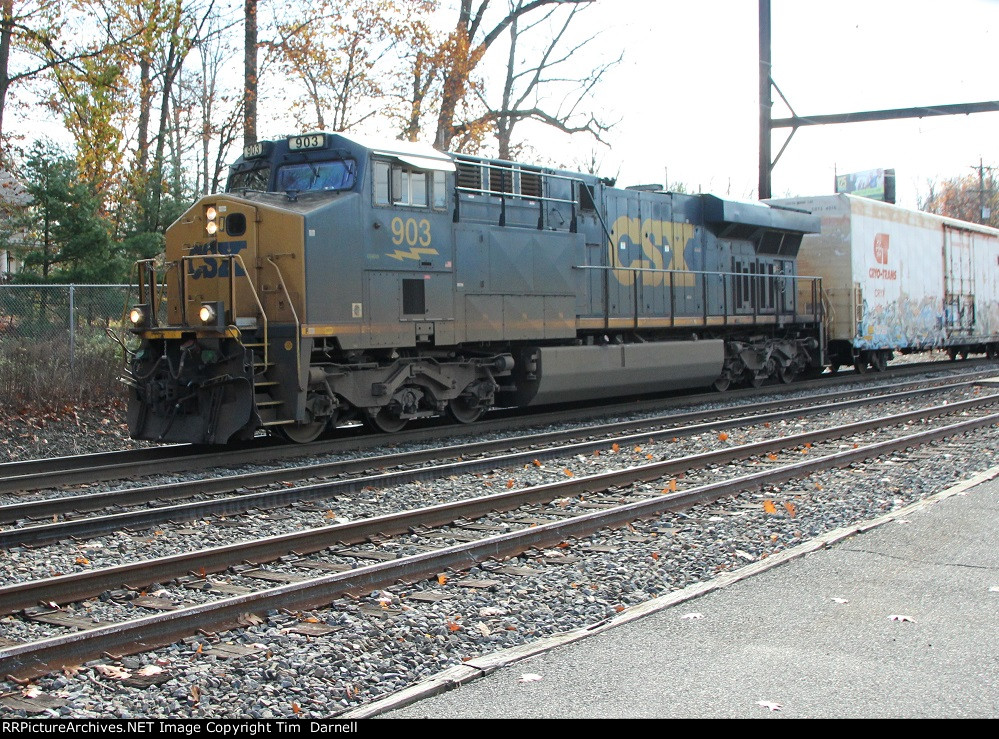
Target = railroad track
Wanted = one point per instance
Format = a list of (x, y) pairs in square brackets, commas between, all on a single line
[(241, 492), (545, 516), (50, 473)]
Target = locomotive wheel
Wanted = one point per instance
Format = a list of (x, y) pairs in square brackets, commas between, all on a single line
[(383, 420), (465, 410), (303, 433), (786, 374), (757, 381), (722, 384)]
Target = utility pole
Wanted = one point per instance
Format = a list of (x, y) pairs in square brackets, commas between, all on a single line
[(766, 101), (984, 213)]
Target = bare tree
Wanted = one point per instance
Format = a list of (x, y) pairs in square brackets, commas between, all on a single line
[(447, 65), (529, 86)]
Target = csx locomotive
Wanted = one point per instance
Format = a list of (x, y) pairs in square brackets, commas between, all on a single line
[(341, 278)]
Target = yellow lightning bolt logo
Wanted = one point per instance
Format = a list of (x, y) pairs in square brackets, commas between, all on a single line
[(414, 253)]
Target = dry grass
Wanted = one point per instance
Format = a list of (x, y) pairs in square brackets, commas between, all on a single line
[(38, 373)]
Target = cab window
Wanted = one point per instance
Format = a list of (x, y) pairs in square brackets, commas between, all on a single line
[(321, 176), (251, 179), (398, 184)]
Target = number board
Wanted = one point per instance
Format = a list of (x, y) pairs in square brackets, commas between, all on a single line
[(257, 150), (307, 141)]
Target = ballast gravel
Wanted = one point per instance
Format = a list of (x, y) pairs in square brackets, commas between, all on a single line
[(393, 638)]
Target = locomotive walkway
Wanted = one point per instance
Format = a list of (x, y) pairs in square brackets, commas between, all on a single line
[(896, 620)]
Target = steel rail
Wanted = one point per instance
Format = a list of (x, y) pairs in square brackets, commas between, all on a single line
[(40, 657), (92, 526), (61, 505), (39, 473), (79, 586)]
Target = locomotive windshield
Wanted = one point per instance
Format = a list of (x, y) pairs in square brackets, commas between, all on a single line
[(251, 179), (335, 175)]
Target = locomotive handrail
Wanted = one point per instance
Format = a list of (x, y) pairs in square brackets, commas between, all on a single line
[(232, 291), (298, 324), (817, 312)]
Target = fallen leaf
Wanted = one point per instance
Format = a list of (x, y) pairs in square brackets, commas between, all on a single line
[(655, 556), (529, 677), (250, 619), (745, 555), (295, 709), (453, 626), (509, 484), (115, 673), (615, 448), (722, 436), (196, 693), (770, 706), (537, 463), (483, 629), (149, 670), (82, 561), (31, 691), (442, 579), (769, 507), (899, 617), (568, 472), (792, 511)]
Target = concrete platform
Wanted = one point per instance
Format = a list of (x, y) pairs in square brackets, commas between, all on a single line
[(897, 618)]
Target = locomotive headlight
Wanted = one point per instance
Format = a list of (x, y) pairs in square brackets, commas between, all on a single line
[(212, 228), (138, 316), (211, 213), (207, 313), (212, 314)]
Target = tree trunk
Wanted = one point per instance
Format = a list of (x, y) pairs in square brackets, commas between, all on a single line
[(250, 74), (6, 29)]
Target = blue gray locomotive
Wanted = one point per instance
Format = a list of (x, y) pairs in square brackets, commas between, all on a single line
[(341, 278)]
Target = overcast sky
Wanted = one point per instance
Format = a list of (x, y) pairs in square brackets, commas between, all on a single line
[(685, 96), (687, 102)]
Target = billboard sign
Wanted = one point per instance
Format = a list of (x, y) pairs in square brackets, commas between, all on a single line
[(877, 184)]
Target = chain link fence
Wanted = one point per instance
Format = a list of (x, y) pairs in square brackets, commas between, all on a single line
[(53, 342)]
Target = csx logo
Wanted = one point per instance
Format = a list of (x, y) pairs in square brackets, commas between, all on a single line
[(881, 248), (661, 243), (210, 267)]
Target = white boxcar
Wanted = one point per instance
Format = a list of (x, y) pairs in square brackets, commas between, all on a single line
[(895, 279)]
